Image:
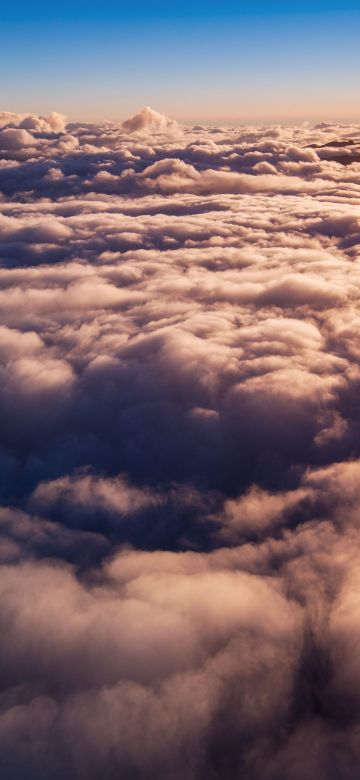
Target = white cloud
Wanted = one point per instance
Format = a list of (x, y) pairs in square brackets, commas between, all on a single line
[(179, 450), (148, 119)]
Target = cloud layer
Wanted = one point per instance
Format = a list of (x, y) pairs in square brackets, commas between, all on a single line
[(180, 459)]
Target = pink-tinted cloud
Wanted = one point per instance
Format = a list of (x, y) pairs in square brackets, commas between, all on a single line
[(179, 450)]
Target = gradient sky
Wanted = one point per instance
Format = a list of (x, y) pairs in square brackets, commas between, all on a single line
[(199, 61)]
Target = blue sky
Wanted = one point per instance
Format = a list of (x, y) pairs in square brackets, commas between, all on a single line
[(200, 61)]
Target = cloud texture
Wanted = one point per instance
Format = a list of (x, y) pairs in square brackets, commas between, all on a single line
[(180, 458)]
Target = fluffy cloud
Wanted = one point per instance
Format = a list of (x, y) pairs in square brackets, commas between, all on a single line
[(53, 123), (13, 138), (180, 461), (148, 119)]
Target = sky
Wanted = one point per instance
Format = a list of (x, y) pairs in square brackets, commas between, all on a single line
[(202, 61)]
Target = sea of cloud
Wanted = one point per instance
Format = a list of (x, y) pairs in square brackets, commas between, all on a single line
[(179, 450)]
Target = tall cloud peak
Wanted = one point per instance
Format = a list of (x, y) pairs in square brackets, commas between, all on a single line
[(148, 119)]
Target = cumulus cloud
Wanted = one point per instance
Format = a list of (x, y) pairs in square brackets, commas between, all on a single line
[(148, 119), (54, 122), (179, 450)]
